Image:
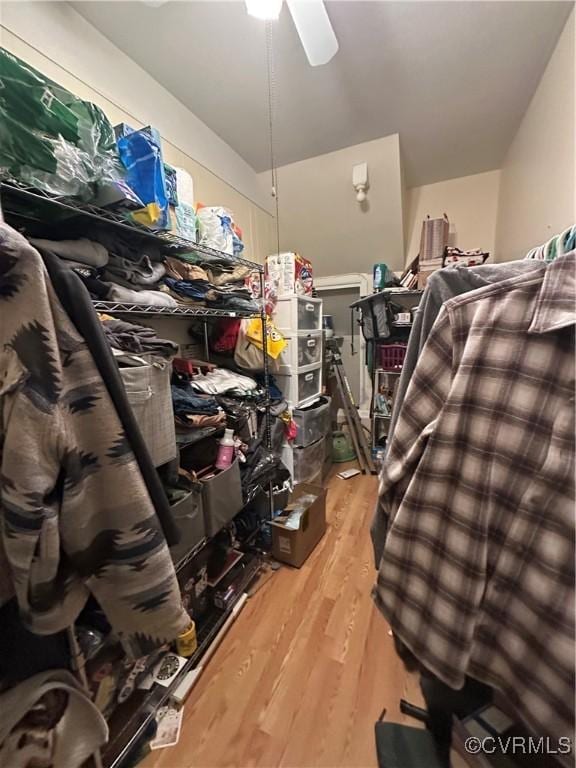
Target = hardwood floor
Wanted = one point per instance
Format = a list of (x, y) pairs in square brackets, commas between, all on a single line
[(308, 667)]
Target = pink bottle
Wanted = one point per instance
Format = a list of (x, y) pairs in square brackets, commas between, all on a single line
[(225, 450)]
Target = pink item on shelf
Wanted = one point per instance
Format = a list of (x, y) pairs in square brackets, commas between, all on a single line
[(225, 450), (392, 356)]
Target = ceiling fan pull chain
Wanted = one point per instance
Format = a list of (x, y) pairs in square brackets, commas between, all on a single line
[(271, 78)]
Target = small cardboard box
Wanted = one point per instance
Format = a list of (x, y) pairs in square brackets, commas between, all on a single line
[(423, 276), (290, 274), (294, 545)]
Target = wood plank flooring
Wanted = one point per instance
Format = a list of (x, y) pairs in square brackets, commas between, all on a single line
[(307, 668)]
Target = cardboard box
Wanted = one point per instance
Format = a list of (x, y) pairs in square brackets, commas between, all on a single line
[(289, 274), (294, 545), (423, 276)]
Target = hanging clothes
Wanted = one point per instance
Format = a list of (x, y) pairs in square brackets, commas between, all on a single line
[(48, 720), (76, 517), (76, 302), (443, 285), (477, 493), (556, 246)]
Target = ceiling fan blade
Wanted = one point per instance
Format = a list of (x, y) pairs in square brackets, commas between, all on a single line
[(315, 30)]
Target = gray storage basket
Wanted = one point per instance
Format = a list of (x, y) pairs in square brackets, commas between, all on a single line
[(147, 387), (188, 518), (221, 498)]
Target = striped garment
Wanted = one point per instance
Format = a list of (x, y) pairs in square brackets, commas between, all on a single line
[(76, 517), (477, 570)]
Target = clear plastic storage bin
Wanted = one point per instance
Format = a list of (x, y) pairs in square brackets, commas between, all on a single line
[(301, 350), (298, 313), (301, 388), (304, 464), (313, 422)]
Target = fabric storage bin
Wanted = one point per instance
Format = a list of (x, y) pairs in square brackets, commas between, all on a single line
[(188, 518), (301, 388), (313, 422), (302, 349), (147, 387), (221, 498), (304, 464), (298, 313)]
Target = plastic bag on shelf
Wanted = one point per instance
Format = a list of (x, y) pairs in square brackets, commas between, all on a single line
[(141, 155), (237, 243), (215, 228), (50, 139), (183, 216), (184, 222)]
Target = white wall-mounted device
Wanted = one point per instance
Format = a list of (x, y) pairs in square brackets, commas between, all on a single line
[(360, 181)]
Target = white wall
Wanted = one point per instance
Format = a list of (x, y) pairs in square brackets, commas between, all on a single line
[(537, 182), (57, 41), (321, 219), (471, 204)]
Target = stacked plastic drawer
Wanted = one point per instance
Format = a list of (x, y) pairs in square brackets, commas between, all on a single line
[(299, 319)]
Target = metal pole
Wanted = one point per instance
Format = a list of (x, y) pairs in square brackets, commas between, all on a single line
[(267, 417), (264, 319), (206, 342)]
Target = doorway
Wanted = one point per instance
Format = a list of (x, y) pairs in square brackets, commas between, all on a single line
[(338, 292)]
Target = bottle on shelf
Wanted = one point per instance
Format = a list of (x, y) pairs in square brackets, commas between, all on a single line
[(225, 450)]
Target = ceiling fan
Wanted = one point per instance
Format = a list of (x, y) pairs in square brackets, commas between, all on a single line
[(311, 21)]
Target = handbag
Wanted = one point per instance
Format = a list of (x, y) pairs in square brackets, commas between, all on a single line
[(247, 355), (374, 321)]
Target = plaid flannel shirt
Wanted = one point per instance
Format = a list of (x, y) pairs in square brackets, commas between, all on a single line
[(477, 490)]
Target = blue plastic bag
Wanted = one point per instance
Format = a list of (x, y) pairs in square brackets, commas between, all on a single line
[(141, 155)]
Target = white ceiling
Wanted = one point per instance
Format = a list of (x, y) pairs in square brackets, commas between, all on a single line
[(452, 78)]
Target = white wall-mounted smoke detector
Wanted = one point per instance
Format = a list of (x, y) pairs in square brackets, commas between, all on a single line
[(360, 181)]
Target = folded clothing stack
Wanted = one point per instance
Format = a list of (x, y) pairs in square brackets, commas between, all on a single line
[(137, 274), (137, 339), (125, 275), (134, 277), (114, 270), (194, 411), (221, 381), (190, 284), (81, 253)]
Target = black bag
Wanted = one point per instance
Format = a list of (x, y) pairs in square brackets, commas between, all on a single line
[(374, 319)]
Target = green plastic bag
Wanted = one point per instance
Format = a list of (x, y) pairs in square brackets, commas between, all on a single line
[(50, 139)]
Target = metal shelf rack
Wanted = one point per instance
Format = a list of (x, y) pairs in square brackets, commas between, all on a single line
[(29, 209), (123, 308), (14, 192), (124, 738)]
